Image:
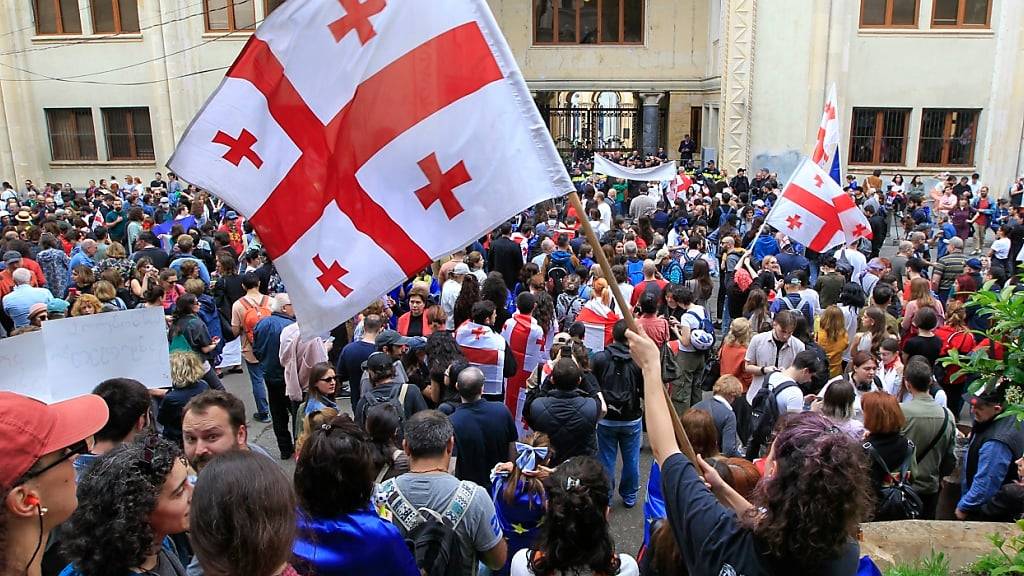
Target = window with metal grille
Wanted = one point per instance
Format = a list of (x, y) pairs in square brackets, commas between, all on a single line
[(961, 13), (588, 21), (230, 15), (879, 135), (128, 133), (947, 137), (115, 16), (888, 13), (58, 17), (71, 132)]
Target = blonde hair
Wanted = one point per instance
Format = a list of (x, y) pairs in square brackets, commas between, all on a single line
[(186, 369), (104, 291), (728, 385), (956, 314), (116, 250), (195, 286), (601, 291), (312, 421), (833, 323), (740, 332), (82, 301)]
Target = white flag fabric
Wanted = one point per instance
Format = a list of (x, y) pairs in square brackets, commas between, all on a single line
[(816, 212), (826, 145), (663, 173), (485, 349), (364, 139)]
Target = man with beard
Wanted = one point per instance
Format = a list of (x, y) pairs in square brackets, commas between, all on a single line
[(214, 423)]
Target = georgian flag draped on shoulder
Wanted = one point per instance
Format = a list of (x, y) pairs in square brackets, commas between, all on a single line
[(826, 145), (525, 338), (363, 139), (598, 320), (816, 212), (485, 349)]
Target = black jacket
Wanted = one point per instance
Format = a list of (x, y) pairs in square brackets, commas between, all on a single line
[(623, 392), (569, 418), (505, 257)]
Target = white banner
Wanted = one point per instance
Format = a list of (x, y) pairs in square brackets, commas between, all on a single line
[(662, 173), (70, 356)]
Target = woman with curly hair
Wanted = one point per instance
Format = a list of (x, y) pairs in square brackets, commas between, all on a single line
[(802, 517), (86, 305), (544, 314), (339, 531), (186, 382), (230, 536), (468, 295), (130, 500), (575, 536)]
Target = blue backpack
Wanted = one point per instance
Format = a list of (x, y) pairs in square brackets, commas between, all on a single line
[(635, 271), (688, 265)]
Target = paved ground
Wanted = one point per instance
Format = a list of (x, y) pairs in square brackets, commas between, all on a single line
[(626, 524)]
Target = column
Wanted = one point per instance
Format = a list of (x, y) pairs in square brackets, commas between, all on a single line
[(651, 121), (738, 31)]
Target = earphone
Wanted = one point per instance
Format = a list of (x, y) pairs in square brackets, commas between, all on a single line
[(32, 500)]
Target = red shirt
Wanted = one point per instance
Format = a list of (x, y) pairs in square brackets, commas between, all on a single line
[(732, 360)]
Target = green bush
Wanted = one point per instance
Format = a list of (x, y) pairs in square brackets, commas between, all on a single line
[(1007, 558), (935, 564)]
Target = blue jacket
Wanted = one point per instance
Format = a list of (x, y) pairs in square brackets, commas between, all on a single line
[(267, 344), (354, 544)]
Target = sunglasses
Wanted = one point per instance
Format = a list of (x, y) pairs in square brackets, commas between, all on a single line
[(329, 379), (76, 449)]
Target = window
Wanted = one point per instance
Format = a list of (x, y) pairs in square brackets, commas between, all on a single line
[(58, 17), (696, 119), (128, 133), (230, 15), (588, 21), (115, 16), (72, 136), (270, 6), (888, 13), (878, 136), (947, 137), (961, 13)]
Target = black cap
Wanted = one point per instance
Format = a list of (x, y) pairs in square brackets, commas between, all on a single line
[(378, 361), (995, 394), (392, 338)]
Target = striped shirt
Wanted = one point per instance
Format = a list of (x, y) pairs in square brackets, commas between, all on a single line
[(948, 268)]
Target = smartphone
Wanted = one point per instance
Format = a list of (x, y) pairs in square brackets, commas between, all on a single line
[(73, 292)]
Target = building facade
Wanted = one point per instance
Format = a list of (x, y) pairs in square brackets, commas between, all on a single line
[(94, 88)]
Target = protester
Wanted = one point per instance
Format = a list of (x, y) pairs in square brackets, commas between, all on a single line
[(187, 382), (214, 423), (994, 444), (518, 493), (932, 429), (889, 451), (339, 533), (230, 536), (720, 406), (41, 443), (320, 388), (267, 348), (131, 500)]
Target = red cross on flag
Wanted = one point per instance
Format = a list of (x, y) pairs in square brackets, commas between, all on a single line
[(365, 138), (816, 212)]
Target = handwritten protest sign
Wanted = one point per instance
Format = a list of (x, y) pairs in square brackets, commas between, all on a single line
[(79, 353), (23, 366)]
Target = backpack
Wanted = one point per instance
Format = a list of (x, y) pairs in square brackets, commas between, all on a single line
[(431, 536), (764, 414), (378, 396), (620, 389), (702, 342), (568, 306), (799, 307), (688, 264), (253, 314), (673, 268), (559, 266), (897, 499), (635, 271)]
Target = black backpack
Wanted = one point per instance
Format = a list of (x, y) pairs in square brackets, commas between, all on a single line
[(619, 387), (897, 499), (764, 415), (393, 397), (431, 536)]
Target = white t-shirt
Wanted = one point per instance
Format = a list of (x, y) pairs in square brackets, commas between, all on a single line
[(789, 400), (606, 214), (856, 259), (689, 320), (521, 566), (1001, 248)]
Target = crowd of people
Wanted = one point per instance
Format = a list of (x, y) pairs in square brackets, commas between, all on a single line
[(486, 414)]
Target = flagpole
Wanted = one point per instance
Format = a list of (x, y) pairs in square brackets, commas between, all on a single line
[(588, 231)]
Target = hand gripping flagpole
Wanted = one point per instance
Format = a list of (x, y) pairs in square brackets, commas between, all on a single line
[(684, 443)]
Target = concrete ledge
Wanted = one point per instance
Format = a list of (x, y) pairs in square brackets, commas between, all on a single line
[(962, 542)]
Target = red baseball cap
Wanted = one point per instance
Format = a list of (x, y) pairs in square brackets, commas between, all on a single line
[(30, 429)]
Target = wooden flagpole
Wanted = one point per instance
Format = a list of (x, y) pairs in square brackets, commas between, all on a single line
[(627, 313)]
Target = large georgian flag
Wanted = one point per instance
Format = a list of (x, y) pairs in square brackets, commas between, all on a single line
[(816, 212), (485, 349), (525, 337), (363, 139), (598, 321)]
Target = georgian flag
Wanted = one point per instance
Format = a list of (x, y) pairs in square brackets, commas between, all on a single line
[(525, 338), (598, 320), (485, 349), (826, 146), (816, 212), (365, 138)]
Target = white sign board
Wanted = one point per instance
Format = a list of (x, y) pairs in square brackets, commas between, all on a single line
[(79, 353), (23, 366)]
